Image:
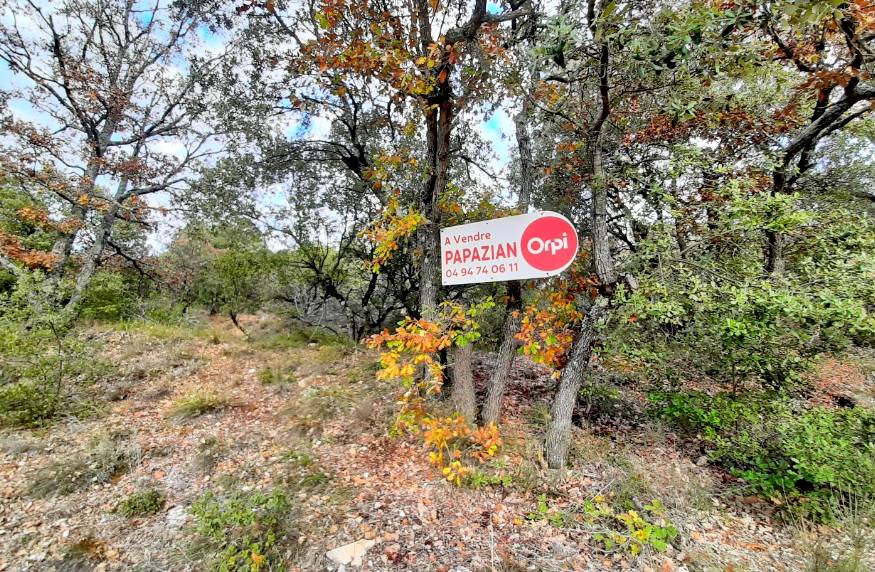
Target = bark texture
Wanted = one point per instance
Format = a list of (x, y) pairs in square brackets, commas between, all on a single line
[(559, 432), (506, 352), (463, 395), (774, 252)]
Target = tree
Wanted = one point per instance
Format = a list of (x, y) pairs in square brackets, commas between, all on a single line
[(113, 82), (830, 47), (514, 296), (400, 52), (223, 265)]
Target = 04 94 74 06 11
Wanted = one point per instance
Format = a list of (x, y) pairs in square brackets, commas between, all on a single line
[(533, 245)]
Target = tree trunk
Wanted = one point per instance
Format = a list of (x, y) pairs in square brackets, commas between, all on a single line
[(601, 246), (559, 432), (71, 309), (463, 396), (507, 350), (233, 316), (63, 246), (429, 238), (83, 279), (774, 252)]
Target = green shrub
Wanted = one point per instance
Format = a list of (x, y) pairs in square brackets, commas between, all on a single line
[(813, 457), (141, 503), (244, 531), (161, 309), (714, 415), (26, 404), (297, 336), (711, 314), (616, 530), (44, 367), (110, 296), (479, 479), (277, 375)]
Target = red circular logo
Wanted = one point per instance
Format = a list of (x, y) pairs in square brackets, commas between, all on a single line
[(549, 243)]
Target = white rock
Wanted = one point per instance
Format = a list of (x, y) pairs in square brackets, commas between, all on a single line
[(37, 556), (351, 554), (176, 517)]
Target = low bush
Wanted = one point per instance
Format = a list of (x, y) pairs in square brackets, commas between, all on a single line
[(110, 296), (196, 404), (45, 367), (279, 374), (104, 457), (300, 472), (141, 503), (298, 337), (26, 404), (240, 531), (811, 457), (209, 452), (615, 529)]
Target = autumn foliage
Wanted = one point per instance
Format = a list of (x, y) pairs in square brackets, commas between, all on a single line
[(411, 355)]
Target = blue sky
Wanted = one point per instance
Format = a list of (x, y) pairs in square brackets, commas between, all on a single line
[(498, 130)]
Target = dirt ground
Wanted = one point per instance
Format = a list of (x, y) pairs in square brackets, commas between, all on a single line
[(323, 401)]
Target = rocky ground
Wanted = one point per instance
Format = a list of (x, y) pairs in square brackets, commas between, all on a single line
[(372, 502)]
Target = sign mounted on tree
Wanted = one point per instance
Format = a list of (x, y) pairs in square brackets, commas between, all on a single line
[(534, 245)]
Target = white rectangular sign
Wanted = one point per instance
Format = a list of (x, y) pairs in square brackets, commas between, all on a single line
[(534, 245)]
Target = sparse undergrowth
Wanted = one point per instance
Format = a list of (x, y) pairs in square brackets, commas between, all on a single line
[(614, 529), (844, 548), (278, 374), (301, 473), (103, 458), (209, 452), (196, 404), (245, 523)]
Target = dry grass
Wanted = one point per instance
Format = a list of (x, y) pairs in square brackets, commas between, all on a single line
[(19, 443), (105, 457), (209, 452), (279, 373), (847, 547), (196, 404)]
